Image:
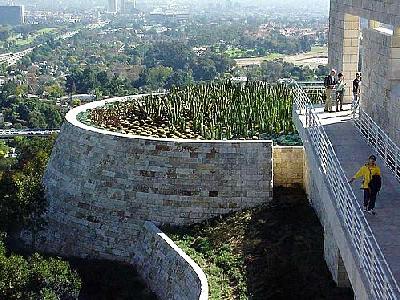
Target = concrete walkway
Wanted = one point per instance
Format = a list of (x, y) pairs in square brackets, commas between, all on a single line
[(353, 152)]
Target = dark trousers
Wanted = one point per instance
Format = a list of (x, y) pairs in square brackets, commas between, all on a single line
[(369, 199), (339, 101)]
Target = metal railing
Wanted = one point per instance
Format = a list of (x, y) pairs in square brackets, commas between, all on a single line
[(378, 140), (315, 90), (371, 261)]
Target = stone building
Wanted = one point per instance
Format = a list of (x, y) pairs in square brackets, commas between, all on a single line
[(365, 36)]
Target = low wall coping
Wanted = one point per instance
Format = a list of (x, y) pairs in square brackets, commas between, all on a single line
[(289, 147)]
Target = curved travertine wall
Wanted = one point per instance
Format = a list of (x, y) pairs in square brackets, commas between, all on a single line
[(169, 272), (102, 186)]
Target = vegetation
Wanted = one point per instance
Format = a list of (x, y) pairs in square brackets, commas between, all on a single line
[(22, 204), (263, 253), (213, 111), (36, 278), (273, 70), (24, 112), (22, 200)]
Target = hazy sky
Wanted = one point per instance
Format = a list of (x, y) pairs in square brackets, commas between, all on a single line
[(306, 4)]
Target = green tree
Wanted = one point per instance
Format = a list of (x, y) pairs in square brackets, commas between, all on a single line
[(4, 149), (22, 200), (169, 54), (54, 91), (156, 77), (76, 102), (204, 70), (36, 120), (180, 78), (36, 278), (52, 116)]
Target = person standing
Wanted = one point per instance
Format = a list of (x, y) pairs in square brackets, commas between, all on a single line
[(329, 83), (340, 92), (356, 90), (371, 184)]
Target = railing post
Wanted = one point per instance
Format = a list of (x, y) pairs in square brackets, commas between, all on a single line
[(306, 116), (386, 149)]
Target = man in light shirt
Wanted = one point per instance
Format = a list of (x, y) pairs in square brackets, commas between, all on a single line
[(340, 89)]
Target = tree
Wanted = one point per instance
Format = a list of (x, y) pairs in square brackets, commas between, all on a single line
[(116, 86), (76, 102), (36, 277), (204, 70), (4, 149), (180, 78), (169, 54), (222, 63), (22, 200), (272, 70), (36, 120), (22, 204), (54, 91), (102, 79), (156, 77), (52, 116)]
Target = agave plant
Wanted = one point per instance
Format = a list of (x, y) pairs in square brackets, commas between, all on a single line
[(207, 111)]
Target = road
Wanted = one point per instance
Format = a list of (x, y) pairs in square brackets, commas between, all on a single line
[(12, 58)]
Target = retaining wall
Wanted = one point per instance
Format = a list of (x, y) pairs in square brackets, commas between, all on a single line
[(288, 164), (168, 271), (103, 186)]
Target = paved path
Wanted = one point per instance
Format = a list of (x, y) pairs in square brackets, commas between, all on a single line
[(353, 151)]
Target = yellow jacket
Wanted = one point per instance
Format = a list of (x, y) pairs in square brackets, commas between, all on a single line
[(367, 172)]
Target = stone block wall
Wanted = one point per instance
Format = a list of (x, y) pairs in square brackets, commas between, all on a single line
[(333, 259), (103, 186), (376, 83), (169, 272), (288, 166), (380, 92)]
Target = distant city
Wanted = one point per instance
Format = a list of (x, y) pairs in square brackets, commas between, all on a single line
[(307, 5)]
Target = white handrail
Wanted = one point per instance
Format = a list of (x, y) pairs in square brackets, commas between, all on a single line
[(379, 141), (370, 257)]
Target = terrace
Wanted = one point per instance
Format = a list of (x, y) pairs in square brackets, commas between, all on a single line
[(341, 143)]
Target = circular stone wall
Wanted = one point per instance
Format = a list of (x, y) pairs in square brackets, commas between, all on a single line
[(102, 186)]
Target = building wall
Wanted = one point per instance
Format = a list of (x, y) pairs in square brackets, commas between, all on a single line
[(113, 6), (380, 92), (102, 186), (376, 84), (11, 15), (288, 166), (168, 271)]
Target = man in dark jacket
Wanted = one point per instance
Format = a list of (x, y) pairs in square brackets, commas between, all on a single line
[(329, 83), (356, 90)]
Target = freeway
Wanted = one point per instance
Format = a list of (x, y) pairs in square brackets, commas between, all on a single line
[(9, 133), (12, 58)]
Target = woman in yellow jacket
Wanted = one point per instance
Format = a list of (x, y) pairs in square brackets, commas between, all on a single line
[(368, 171)]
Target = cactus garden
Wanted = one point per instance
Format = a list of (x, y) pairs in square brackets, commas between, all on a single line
[(216, 111)]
